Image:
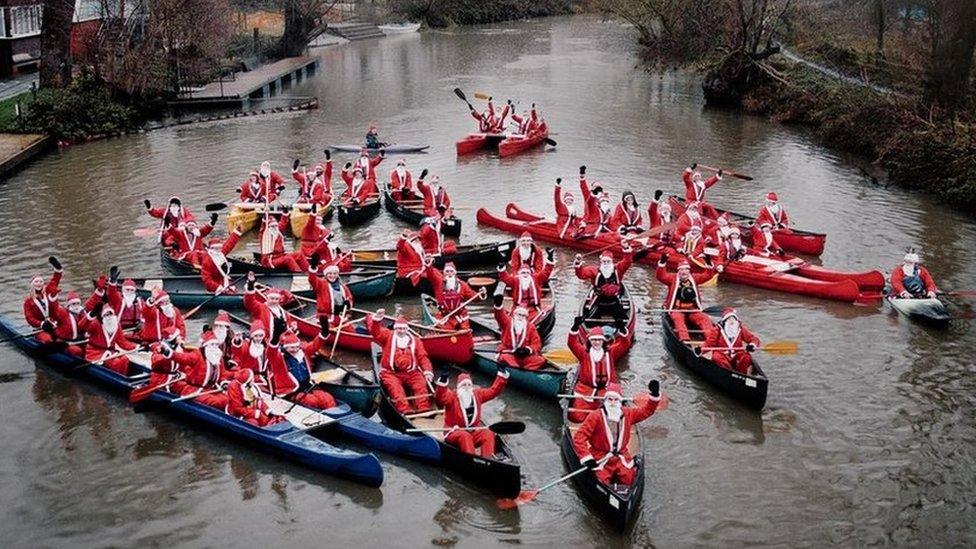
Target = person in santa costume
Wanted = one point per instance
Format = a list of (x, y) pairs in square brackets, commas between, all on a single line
[(520, 345), (627, 218), (683, 301), (410, 256), (569, 220), (526, 252), (270, 312), (368, 164), (186, 240), (169, 217), (462, 411), (244, 401), (528, 122), (159, 314), (773, 213), (436, 199), (227, 338), (332, 296), (327, 252), (203, 369), (659, 214), (358, 189), (488, 120), (274, 253), (432, 239), (256, 191), (70, 323), (41, 302), (450, 292), (253, 354), (591, 199), (735, 343), (764, 243), (314, 185), (292, 370), (401, 182), (526, 286), (270, 180), (602, 440), (692, 247), (106, 341), (731, 248), (912, 279), (608, 278), (597, 366), (600, 221), (722, 228), (696, 186), (692, 217), (214, 267), (403, 365)]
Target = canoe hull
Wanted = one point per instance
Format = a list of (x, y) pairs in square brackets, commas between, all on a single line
[(390, 149), (929, 311), (513, 145), (450, 226), (351, 216)]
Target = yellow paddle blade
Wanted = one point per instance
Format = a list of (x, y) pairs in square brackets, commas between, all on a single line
[(785, 347), (560, 356), (711, 281), (478, 281), (481, 95), (328, 376), (366, 256)]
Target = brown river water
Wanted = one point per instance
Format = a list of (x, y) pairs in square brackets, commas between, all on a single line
[(867, 437)]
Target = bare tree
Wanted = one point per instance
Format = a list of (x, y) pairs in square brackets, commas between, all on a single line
[(55, 70), (953, 43), (302, 19)]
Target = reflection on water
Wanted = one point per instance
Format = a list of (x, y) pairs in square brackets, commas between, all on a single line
[(868, 435)]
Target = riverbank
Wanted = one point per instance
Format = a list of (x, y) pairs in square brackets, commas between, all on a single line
[(448, 13)]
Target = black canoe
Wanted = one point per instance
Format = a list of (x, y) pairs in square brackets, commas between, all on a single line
[(404, 286), (596, 316), (750, 390), (466, 257), (502, 476), (618, 503), (350, 216), (414, 214)]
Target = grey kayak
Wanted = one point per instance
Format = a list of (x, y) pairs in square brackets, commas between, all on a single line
[(390, 149), (929, 311)]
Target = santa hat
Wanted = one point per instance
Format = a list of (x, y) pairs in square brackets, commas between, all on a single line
[(358, 170), (252, 173), (911, 257), (694, 229), (568, 195), (450, 265), (73, 297), (606, 255), (257, 327), (521, 310), (318, 168), (208, 338), (401, 162), (288, 339), (771, 196), (728, 313), (735, 231), (222, 319), (363, 150), (129, 284), (401, 322), (722, 221), (244, 376), (525, 236), (464, 378), (595, 333), (331, 269), (435, 179), (175, 200), (266, 164), (160, 296), (37, 280), (613, 388), (684, 266), (765, 226)]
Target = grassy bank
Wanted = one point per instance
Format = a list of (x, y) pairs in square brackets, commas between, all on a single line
[(919, 151), (8, 111)]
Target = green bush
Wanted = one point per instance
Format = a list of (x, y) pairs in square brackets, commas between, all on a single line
[(445, 13), (83, 109)]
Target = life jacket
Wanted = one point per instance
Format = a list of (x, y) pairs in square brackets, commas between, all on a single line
[(298, 370), (607, 286), (913, 282), (685, 295)]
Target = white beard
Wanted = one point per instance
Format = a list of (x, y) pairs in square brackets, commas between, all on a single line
[(606, 270), (218, 257), (736, 243), (665, 215), (401, 342), (128, 299), (605, 207), (732, 330), (465, 396), (401, 172), (518, 324), (356, 183), (168, 310), (615, 411), (110, 325), (525, 252), (195, 232), (417, 247), (907, 268), (276, 311), (220, 332), (450, 282), (265, 172), (174, 211), (213, 354), (364, 162), (256, 350), (774, 209), (596, 355), (693, 216), (570, 209), (75, 309), (525, 282)]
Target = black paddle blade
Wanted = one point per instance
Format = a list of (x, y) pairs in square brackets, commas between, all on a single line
[(507, 427), (713, 310), (215, 207), (550, 142), (460, 94), (374, 405)]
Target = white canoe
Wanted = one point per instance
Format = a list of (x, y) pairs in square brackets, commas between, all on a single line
[(929, 311), (400, 28)]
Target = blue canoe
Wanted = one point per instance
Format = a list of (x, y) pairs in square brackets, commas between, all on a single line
[(283, 439)]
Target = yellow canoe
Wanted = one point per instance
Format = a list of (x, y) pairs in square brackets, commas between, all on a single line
[(244, 216), (300, 214)]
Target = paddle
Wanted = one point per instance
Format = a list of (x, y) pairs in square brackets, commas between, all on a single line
[(481, 294), (460, 94), (526, 496), (784, 347), (146, 232), (138, 395), (550, 142), (560, 356), (338, 329), (215, 207), (499, 428), (106, 358), (729, 172), (21, 336), (195, 395), (413, 324), (712, 310), (218, 293)]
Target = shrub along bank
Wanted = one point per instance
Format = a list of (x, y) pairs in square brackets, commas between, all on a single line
[(446, 13)]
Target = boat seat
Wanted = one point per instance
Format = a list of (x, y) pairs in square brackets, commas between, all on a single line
[(152, 283), (300, 284)]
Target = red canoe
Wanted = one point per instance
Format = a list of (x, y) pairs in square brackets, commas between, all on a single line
[(789, 274), (506, 144), (792, 240)]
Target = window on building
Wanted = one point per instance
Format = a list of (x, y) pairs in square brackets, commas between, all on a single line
[(25, 20), (3, 22), (86, 10)]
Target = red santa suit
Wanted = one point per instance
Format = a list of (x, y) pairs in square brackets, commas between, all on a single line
[(683, 295), (449, 297), (689, 219), (591, 201), (402, 183), (410, 256), (131, 310), (368, 165), (460, 413), (599, 436), (627, 219), (214, 267), (292, 372), (404, 364), (159, 316), (255, 190), (201, 373), (526, 291), (187, 242), (104, 343), (434, 195), (898, 277), (530, 255), (695, 190), (597, 368), (274, 254), (330, 299), (169, 219), (512, 339), (568, 220), (41, 303), (606, 286), (527, 124), (660, 215), (70, 326), (244, 401), (774, 214), (764, 244), (274, 319), (433, 240), (729, 345), (362, 189), (693, 248), (315, 187)]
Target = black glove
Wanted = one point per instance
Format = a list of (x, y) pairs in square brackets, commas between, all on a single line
[(664, 259), (597, 189), (165, 349), (559, 182), (206, 328), (250, 284), (582, 170), (324, 326), (589, 463), (781, 252), (47, 326), (382, 152), (213, 219), (751, 347), (423, 173), (148, 204), (657, 194), (442, 209), (313, 260), (328, 155), (509, 101), (695, 165), (97, 309), (501, 267), (355, 200), (443, 379), (720, 173), (54, 263), (497, 300), (654, 386), (347, 166), (522, 352), (621, 327), (550, 255), (489, 99), (113, 274), (641, 254), (294, 165), (577, 322)]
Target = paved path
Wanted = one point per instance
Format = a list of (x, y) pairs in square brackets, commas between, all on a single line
[(248, 82), (16, 149), (16, 85), (827, 71)]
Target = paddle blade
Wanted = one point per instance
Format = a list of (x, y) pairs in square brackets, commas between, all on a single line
[(146, 232), (366, 256), (138, 395), (481, 95), (710, 282), (781, 347), (507, 427), (741, 176), (511, 503), (550, 142), (560, 356), (215, 207), (460, 94), (478, 281)]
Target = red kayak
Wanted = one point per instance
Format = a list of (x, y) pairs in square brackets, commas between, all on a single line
[(791, 240), (786, 274), (506, 144)]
